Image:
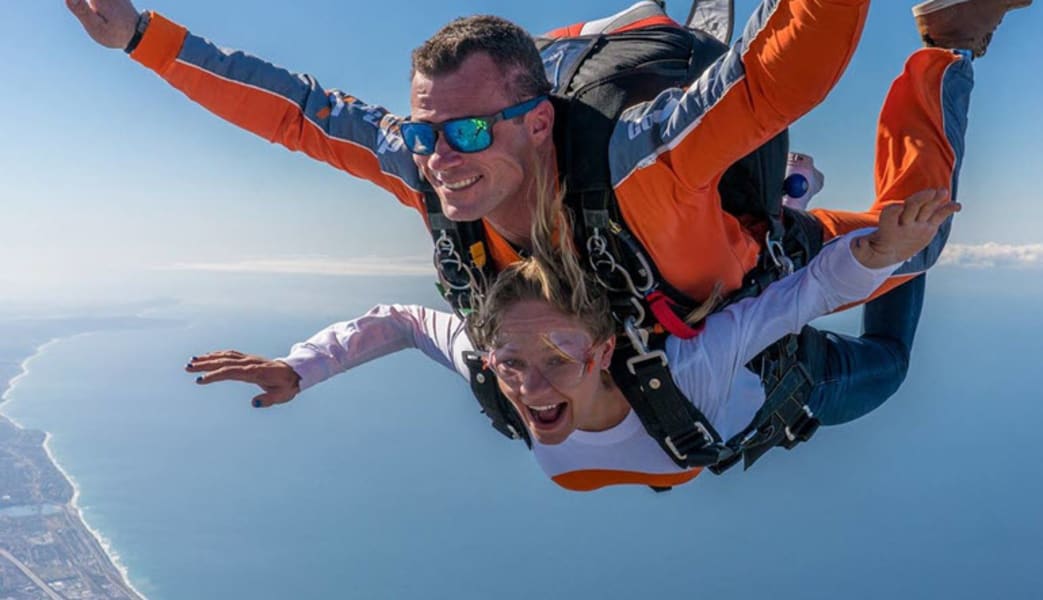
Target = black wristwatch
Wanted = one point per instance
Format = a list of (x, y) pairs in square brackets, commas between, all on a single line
[(139, 30)]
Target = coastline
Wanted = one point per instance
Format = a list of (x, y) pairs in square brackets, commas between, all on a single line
[(99, 539)]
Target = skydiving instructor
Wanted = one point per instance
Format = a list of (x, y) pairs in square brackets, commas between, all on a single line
[(792, 53)]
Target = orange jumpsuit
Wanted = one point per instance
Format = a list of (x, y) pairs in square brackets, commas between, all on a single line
[(666, 155)]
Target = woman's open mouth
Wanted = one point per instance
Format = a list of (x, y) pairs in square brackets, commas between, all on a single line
[(547, 417)]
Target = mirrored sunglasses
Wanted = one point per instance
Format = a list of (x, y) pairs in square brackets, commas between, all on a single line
[(467, 135)]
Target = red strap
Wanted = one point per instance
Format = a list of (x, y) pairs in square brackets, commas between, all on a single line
[(662, 309)]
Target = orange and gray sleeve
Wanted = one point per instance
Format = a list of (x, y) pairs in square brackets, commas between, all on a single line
[(791, 54), (919, 145), (283, 107)]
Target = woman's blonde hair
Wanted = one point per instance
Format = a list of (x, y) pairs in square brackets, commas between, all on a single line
[(552, 274)]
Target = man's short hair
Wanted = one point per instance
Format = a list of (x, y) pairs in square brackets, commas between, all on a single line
[(511, 48)]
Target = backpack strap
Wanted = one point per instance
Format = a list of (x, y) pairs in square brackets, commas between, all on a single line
[(596, 77), (591, 93), (493, 403)]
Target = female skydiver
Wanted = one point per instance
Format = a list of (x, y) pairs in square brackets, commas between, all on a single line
[(547, 334)]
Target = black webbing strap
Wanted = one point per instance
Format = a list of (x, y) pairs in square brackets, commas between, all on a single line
[(493, 403), (681, 430), (801, 240), (620, 262), (784, 419)]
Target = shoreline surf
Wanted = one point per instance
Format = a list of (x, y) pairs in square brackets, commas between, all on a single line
[(99, 538)]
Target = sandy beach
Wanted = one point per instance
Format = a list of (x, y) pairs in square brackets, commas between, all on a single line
[(100, 545)]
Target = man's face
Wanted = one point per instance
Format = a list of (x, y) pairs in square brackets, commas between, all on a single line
[(494, 181)]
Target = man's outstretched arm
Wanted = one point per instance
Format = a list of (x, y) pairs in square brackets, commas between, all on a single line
[(283, 107), (790, 55)]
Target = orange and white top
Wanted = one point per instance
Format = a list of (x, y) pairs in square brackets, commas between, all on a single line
[(709, 369)]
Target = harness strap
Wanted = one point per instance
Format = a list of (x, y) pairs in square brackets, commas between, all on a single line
[(495, 406), (785, 419), (623, 268), (800, 242), (680, 429)]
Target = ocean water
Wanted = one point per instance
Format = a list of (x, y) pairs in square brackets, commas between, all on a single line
[(386, 482)]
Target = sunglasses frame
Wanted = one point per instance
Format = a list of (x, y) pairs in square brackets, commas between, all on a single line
[(515, 110)]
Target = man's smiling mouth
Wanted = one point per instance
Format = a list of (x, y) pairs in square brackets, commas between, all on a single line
[(456, 186)]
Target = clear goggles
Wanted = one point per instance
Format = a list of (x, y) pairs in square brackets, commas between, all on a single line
[(561, 358)]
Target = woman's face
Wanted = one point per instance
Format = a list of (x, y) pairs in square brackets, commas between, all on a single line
[(549, 367)]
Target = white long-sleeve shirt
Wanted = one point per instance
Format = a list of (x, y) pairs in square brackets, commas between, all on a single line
[(708, 369)]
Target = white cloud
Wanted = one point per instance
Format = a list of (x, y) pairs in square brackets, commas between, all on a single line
[(987, 255), (321, 265), (993, 255)]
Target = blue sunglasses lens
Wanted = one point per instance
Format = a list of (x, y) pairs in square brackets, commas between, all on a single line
[(463, 135), (419, 137), (468, 135), (796, 186)]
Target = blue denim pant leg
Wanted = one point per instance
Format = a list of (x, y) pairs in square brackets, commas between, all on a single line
[(853, 375)]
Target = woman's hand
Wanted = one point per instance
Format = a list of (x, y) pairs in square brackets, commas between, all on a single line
[(904, 229), (278, 380)]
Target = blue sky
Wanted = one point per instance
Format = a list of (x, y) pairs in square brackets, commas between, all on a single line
[(105, 171)]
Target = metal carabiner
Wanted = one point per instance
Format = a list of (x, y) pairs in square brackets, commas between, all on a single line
[(778, 254), (638, 336)]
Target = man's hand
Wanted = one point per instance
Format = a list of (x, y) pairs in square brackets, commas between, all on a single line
[(904, 229), (111, 23), (278, 380)]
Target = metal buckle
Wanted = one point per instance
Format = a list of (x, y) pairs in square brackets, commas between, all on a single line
[(514, 432), (632, 361), (639, 340), (701, 429), (801, 424)]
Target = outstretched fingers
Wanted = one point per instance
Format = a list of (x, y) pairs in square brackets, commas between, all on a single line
[(245, 373), (941, 209), (111, 23), (905, 228), (217, 360), (279, 382), (83, 11)]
